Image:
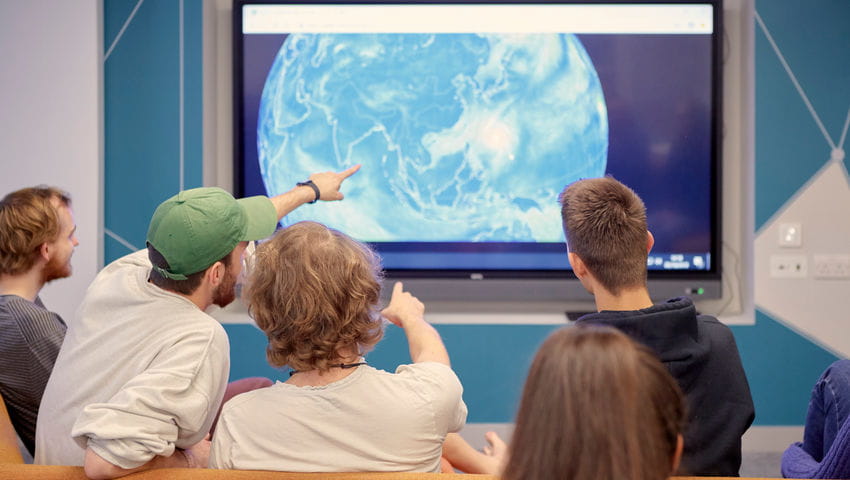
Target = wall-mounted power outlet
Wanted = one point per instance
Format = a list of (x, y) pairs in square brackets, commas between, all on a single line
[(832, 266), (788, 266)]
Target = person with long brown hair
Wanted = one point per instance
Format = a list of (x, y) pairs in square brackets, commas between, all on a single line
[(596, 405), (315, 292)]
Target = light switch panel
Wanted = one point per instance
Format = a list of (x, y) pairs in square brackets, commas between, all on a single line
[(790, 235)]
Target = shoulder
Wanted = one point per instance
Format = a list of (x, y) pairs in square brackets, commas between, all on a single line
[(28, 316), (252, 403), (199, 324), (436, 374), (121, 274), (426, 369), (722, 349), (715, 329), (439, 389), (210, 332), (12, 306), (137, 260)]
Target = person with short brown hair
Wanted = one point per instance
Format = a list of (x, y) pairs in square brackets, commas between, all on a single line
[(315, 291), (605, 228), (608, 242), (37, 240), (596, 405)]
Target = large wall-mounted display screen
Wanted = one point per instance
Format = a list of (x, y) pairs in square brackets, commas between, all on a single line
[(469, 119)]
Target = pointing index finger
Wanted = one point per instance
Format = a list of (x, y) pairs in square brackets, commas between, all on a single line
[(349, 172)]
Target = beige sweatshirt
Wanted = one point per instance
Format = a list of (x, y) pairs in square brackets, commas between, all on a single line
[(141, 371)]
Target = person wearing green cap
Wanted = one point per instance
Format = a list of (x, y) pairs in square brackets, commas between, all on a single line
[(143, 369)]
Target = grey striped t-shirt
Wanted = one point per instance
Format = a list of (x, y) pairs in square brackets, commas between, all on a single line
[(30, 337)]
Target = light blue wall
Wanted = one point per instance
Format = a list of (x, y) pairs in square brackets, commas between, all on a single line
[(143, 150)]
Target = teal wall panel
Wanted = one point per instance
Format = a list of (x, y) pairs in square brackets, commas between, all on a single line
[(492, 362), (782, 366), (146, 136), (115, 12), (248, 354), (784, 130), (790, 148), (113, 248), (813, 37)]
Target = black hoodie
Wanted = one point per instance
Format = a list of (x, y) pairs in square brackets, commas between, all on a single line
[(702, 356)]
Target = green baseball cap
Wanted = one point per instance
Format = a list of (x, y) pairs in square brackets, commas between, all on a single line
[(199, 227)]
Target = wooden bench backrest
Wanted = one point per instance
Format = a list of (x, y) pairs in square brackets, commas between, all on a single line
[(9, 451)]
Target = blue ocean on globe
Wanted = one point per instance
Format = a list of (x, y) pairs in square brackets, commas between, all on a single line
[(462, 137)]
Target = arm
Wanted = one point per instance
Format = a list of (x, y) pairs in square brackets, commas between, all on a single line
[(408, 312), (97, 467), (158, 412), (328, 184), (469, 460)]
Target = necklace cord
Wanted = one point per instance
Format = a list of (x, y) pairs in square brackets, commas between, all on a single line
[(335, 365)]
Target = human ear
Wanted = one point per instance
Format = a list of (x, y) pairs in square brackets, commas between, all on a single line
[(215, 274), (579, 268), (650, 241)]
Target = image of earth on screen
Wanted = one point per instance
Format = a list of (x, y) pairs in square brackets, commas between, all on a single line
[(467, 139)]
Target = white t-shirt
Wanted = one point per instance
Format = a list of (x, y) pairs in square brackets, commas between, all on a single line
[(141, 371), (371, 420)]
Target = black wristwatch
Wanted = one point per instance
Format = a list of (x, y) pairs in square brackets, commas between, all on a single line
[(309, 183)]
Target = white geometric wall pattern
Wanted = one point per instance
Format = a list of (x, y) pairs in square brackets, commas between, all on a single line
[(790, 282)]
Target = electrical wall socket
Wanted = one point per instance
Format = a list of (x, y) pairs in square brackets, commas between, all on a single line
[(832, 266), (788, 266)]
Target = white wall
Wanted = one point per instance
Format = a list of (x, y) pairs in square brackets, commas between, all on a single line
[(51, 119)]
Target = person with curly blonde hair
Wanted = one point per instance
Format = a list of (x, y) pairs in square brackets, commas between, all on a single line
[(315, 292)]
